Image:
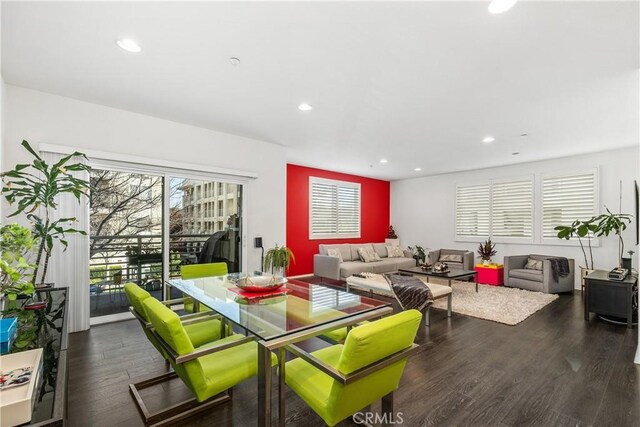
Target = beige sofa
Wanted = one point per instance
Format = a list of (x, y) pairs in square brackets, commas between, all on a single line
[(330, 267)]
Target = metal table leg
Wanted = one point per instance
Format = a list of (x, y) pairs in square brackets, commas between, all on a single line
[(476, 276), (449, 305), (264, 385)]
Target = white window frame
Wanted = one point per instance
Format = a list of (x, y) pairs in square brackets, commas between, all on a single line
[(595, 242), (347, 184), (538, 220), (508, 239), (455, 213)]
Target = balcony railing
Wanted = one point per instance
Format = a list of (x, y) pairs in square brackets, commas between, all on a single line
[(138, 258)]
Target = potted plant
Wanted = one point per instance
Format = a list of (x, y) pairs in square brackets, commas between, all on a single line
[(418, 253), (581, 230), (15, 271), (34, 187), (486, 250), (278, 259), (610, 223)]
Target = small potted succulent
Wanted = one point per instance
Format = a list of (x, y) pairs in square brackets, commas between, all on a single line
[(486, 250)]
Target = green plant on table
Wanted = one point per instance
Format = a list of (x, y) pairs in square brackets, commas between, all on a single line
[(278, 259), (34, 186), (15, 270), (418, 252)]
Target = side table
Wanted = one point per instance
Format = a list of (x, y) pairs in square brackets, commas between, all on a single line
[(610, 297), (492, 274)]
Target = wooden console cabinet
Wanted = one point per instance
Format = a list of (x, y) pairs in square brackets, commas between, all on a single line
[(609, 297)]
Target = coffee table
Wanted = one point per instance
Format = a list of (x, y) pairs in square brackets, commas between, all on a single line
[(453, 274)]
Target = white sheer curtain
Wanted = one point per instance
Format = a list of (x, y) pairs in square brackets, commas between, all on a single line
[(70, 268)]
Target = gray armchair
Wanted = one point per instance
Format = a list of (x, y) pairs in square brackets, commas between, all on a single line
[(516, 276), (466, 257)]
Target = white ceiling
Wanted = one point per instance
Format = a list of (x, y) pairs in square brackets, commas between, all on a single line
[(417, 83)]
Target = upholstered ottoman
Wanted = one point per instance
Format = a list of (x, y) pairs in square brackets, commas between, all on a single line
[(376, 284)]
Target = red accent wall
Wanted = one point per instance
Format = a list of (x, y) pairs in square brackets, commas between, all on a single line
[(374, 213)]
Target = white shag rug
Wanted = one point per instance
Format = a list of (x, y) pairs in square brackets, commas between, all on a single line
[(497, 303)]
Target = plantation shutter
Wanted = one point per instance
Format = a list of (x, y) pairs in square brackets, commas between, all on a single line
[(334, 209), (565, 199), (472, 211), (512, 209)]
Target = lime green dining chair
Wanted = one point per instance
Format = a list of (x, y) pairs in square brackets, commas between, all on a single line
[(201, 329), (343, 379), (196, 271), (209, 371)]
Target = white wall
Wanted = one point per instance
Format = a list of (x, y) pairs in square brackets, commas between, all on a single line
[(422, 209), (43, 118)]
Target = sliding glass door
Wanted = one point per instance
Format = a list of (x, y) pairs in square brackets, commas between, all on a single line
[(146, 226)]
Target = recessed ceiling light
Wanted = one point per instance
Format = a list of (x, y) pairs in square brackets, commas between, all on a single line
[(488, 139), (500, 6), (515, 153), (417, 169), (383, 161), (305, 107), (234, 61), (129, 45)]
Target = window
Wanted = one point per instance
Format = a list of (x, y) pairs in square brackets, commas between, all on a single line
[(472, 211), (512, 209), (334, 209), (565, 199)]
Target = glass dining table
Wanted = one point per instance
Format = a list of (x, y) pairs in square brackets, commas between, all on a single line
[(299, 311)]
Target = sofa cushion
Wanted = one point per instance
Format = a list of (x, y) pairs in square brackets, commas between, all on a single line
[(386, 265), (394, 251), (452, 251), (450, 258), (381, 249), (349, 268), (404, 263), (355, 256), (533, 264), (526, 274), (345, 250), (335, 253), (368, 255)]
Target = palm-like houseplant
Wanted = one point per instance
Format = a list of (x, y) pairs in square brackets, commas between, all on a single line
[(34, 187), (278, 259)]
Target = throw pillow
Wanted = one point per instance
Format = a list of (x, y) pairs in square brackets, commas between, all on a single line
[(450, 258), (533, 264), (395, 252), (368, 255), (335, 252)]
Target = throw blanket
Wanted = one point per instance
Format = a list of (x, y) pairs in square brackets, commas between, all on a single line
[(411, 292), (559, 267)]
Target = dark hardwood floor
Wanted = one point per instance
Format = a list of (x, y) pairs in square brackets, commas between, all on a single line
[(553, 369)]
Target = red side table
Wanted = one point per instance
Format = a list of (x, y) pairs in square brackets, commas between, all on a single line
[(492, 274)]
